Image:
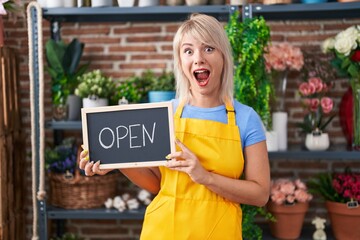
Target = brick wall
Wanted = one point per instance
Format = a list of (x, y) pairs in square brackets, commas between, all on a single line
[(123, 49)]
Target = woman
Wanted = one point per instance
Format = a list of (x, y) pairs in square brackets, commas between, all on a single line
[(199, 190)]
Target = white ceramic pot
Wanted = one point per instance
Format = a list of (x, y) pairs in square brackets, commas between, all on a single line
[(54, 3), (317, 142), (99, 102), (126, 3), (272, 141), (42, 3), (196, 2), (69, 3), (280, 120), (101, 3), (238, 2), (148, 3)]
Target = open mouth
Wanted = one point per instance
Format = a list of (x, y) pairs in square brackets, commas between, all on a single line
[(202, 76)]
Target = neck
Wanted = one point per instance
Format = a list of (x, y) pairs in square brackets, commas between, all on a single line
[(205, 102)]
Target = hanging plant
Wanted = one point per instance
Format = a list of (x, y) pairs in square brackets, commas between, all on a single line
[(253, 86)]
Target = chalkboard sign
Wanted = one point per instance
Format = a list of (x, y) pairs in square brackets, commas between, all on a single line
[(125, 136)]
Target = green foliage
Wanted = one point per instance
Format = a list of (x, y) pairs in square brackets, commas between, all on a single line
[(165, 82), (127, 89), (68, 236), (322, 185), (95, 85), (249, 229), (253, 86), (63, 67)]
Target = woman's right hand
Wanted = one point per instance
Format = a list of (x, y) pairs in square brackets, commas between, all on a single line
[(90, 168)]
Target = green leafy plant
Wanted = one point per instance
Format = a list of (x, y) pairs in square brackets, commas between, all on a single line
[(63, 67), (128, 90), (68, 236), (253, 86), (165, 82), (95, 84), (336, 187)]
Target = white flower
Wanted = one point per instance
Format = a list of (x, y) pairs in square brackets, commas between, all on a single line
[(144, 196), (109, 203), (119, 204), (328, 45), (345, 41), (133, 203)]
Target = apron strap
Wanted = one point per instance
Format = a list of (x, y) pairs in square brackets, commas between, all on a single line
[(230, 111), (179, 110)]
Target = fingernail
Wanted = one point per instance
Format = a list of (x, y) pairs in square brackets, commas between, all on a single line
[(86, 151), (86, 158)]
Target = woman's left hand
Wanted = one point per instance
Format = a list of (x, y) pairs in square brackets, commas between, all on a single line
[(186, 161)]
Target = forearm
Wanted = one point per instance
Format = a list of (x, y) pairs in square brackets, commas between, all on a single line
[(145, 178), (239, 191)]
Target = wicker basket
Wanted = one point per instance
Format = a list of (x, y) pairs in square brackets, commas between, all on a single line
[(81, 192)]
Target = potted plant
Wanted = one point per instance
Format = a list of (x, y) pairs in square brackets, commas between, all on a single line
[(289, 202), (341, 193), (63, 66), (345, 50), (317, 106), (280, 60), (69, 187), (253, 87), (95, 89), (162, 88), (126, 92)]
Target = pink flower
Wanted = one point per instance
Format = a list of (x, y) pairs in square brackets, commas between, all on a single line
[(306, 89), (327, 104), (284, 56), (317, 83), (285, 191)]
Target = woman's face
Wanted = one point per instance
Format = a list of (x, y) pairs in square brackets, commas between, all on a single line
[(203, 66)]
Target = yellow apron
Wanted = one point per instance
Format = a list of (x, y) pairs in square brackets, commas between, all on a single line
[(187, 210)]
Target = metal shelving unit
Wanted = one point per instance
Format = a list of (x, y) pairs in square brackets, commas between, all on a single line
[(330, 10), (178, 13)]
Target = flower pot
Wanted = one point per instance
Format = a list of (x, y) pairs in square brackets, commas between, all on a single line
[(317, 141), (98, 102), (59, 112), (238, 2), (73, 103), (280, 127), (148, 3), (272, 141), (126, 3), (101, 3), (289, 219), (161, 96), (344, 221), (196, 2), (175, 2), (54, 3)]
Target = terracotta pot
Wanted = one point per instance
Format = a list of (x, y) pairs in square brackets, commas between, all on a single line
[(289, 219), (344, 221)]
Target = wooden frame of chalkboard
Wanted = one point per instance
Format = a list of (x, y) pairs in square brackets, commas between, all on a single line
[(130, 135)]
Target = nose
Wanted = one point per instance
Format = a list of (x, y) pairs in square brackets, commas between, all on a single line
[(199, 58)]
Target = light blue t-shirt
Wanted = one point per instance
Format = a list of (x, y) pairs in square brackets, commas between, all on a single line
[(250, 126)]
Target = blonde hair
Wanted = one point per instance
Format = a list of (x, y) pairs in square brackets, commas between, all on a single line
[(209, 31)]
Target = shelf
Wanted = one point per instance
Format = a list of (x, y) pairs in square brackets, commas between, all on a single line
[(63, 125), (330, 10), (300, 154), (135, 14), (97, 213)]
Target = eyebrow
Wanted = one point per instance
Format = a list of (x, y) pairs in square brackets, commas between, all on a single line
[(186, 44)]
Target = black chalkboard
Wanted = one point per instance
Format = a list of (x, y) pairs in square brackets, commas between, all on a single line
[(124, 136)]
